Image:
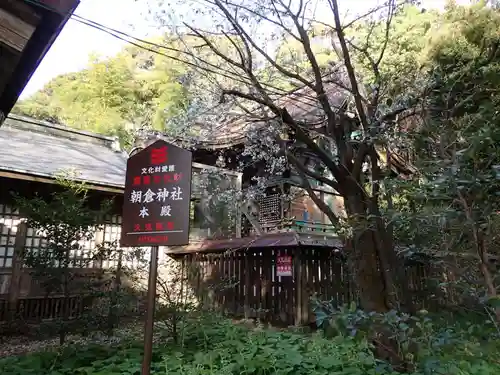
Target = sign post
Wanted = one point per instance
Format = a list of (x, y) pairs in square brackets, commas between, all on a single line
[(156, 213)]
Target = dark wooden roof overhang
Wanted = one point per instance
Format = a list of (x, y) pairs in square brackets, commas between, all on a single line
[(267, 241), (29, 28)]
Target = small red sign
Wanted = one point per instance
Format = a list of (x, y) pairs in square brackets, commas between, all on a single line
[(284, 265)]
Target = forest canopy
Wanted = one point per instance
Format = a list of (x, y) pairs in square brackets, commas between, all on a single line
[(113, 95)]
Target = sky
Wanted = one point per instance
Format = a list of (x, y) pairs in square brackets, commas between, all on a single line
[(70, 51)]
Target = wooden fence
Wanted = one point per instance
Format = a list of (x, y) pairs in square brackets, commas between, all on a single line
[(245, 283), (33, 309)]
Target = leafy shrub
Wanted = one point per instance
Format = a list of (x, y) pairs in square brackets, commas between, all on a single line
[(430, 344), (213, 345)]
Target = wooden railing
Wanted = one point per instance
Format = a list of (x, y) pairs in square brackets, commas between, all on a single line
[(300, 226), (311, 226), (45, 308)]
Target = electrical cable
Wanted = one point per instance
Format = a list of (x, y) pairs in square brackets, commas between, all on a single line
[(137, 43)]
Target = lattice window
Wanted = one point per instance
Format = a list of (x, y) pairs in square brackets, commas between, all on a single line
[(112, 232), (9, 220), (80, 257), (35, 241), (269, 209)]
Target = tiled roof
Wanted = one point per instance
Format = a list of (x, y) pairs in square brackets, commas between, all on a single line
[(42, 149), (231, 128)]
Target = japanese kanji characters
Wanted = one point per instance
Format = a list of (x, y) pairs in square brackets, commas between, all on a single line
[(176, 194), (156, 207), (162, 195), (165, 211), (158, 226), (136, 196), (144, 212), (149, 196), (158, 169)]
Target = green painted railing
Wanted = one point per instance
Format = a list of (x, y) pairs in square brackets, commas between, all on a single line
[(311, 226)]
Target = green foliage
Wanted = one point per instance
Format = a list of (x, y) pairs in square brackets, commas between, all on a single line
[(450, 207), (113, 95), (67, 223), (425, 343), (65, 220), (214, 345), (399, 69)]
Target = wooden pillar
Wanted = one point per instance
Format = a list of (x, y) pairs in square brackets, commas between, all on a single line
[(17, 268), (248, 271), (239, 213), (297, 279)]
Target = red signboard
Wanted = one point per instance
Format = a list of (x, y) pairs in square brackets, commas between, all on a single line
[(157, 197), (284, 265)]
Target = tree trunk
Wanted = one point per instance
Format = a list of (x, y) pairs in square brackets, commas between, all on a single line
[(490, 286), (363, 258), (371, 258)]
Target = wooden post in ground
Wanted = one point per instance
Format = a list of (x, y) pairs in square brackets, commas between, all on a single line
[(298, 280), (150, 314)]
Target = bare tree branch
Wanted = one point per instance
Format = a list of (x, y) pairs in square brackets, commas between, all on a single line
[(297, 164)]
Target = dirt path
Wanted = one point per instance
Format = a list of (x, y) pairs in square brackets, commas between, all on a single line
[(21, 345)]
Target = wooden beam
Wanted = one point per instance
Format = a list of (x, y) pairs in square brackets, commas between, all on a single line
[(62, 6), (21, 10), (255, 224), (14, 32)]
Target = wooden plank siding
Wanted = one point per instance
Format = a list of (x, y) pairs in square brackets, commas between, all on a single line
[(14, 32)]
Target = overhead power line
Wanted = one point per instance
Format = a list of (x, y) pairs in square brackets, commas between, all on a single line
[(137, 42), (143, 44)]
